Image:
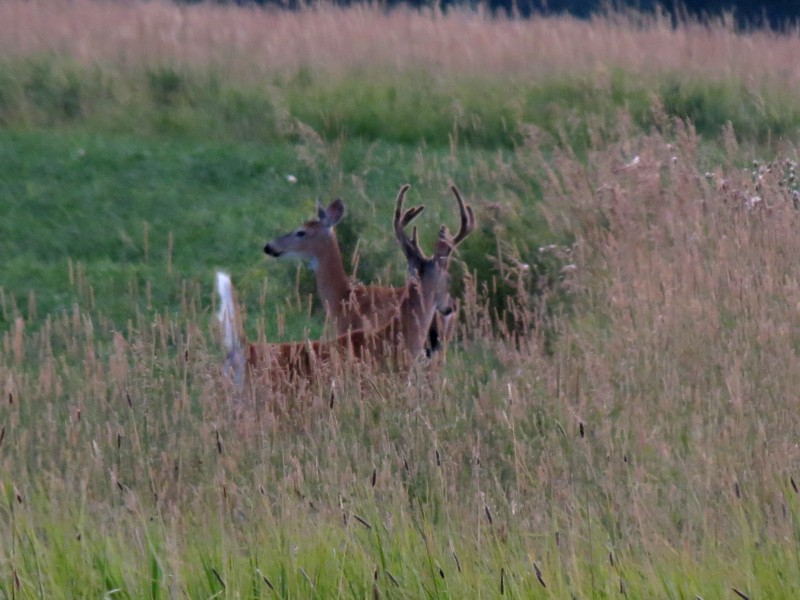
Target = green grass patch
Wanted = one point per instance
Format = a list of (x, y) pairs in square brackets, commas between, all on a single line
[(756, 114), (99, 219), (396, 107)]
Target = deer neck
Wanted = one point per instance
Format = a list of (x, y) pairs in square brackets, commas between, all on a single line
[(415, 318), (333, 284)]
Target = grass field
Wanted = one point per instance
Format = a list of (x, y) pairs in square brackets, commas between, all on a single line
[(617, 416)]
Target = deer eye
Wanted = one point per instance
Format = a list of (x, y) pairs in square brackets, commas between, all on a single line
[(300, 233)]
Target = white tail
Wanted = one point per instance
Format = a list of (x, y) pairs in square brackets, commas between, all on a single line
[(227, 312), (234, 360)]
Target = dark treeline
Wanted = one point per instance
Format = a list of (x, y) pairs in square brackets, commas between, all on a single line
[(773, 13), (777, 14)]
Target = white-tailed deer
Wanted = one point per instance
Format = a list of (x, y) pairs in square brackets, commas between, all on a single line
[(350, 306), (396, 343)]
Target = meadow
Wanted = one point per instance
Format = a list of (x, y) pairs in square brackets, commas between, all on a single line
[(616, 415)]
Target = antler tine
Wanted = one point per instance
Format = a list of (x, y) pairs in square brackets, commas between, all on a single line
[(415, 240), (411, 214), (401, 219), (467, 218), (398, 210)]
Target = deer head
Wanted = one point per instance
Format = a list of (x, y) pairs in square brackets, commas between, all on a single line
[(431, 273), (311, 238)]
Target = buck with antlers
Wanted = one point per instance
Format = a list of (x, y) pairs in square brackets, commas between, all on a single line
[(350, 306), (397, 342)]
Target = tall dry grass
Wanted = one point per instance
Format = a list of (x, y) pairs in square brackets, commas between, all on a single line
[(683, 350), (650, 446), (261, 42)]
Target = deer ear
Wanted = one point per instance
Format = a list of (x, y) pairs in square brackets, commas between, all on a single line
[(330, 216)]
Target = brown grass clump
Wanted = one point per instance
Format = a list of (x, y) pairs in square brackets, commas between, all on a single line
[(683, 351)]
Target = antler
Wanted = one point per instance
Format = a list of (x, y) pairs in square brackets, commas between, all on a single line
[(401, 219), (467, 218)]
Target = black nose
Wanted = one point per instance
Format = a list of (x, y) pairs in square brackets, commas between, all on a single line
[(434, 343), (271, 251)]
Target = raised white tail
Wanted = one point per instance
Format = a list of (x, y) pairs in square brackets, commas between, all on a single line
[(227, 312), (234, 360)]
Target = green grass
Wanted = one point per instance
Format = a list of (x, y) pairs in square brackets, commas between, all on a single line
[(405, 107), (97, 218), (124, 210)]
